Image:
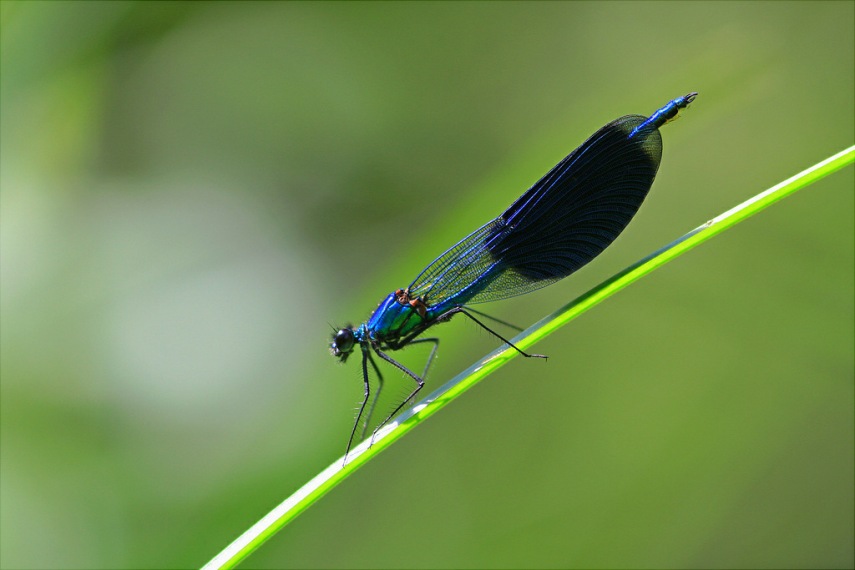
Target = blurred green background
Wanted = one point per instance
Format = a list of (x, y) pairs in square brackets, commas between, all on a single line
[(193, 193)]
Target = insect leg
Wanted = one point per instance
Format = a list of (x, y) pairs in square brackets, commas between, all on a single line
[(409, 373), (432, 354), (365, 356), (497, 335), (376, 395), (494, 319)]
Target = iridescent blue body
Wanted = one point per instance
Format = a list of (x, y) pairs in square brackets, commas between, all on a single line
[(396, 318), (558, 225)]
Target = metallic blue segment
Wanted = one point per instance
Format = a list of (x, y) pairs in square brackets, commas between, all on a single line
[(361, 333), (387, 312), (392, 319), (665, 114)]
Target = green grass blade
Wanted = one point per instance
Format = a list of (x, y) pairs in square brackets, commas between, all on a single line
[(335, 473)]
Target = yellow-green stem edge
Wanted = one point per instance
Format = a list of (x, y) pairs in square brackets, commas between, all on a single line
[(321, 484)]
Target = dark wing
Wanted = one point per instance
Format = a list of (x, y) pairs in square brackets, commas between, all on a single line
[(561, 223)]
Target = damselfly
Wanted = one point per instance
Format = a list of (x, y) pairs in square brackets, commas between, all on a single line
[(558, 225)]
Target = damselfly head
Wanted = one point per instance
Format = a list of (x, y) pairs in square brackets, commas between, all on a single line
[(342, 343)]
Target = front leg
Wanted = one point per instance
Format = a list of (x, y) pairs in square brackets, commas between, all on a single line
[(367, 392), (376, 396)]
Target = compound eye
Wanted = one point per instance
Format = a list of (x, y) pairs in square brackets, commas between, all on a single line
[(343, 340)]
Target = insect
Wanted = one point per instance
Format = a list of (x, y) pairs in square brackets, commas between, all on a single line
[(562, 222)]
